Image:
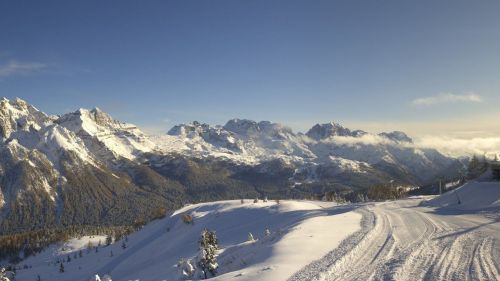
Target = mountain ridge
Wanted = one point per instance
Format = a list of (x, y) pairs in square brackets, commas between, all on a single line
[(86, 162)]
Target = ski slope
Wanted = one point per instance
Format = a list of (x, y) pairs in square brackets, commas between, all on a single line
[(415, 240)]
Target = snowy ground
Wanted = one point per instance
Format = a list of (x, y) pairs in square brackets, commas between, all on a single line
[(422, 238), (301, 232), (415, 240)]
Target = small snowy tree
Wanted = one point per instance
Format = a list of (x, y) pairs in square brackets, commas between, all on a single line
[(3, 275), (256, 200), (207, 258), (185, 269), (267, 232), (265, 199), (242, 201), (250, 237)]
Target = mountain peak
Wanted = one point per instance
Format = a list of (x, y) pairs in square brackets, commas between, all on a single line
[(17, 114), (189, 129), (327, 130), (397, 136)]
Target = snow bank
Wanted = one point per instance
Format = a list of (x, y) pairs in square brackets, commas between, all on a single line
[(474, 195)]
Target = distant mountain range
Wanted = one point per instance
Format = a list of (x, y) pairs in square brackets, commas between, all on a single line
[(85, 168)]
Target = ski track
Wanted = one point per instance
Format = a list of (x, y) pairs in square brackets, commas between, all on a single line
[(401, 241)]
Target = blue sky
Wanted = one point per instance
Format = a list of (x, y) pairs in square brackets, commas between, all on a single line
[(419, 66)]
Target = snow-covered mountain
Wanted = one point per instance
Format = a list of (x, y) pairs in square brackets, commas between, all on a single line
[(86, 162)]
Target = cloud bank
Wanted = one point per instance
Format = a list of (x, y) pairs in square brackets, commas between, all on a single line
[(447, 98), (459, 146), (448, 145)]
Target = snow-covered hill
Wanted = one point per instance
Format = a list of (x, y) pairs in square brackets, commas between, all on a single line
[(299, 233), (481, 196)]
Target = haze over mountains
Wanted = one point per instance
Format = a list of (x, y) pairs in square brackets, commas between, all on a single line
[(84, 167)]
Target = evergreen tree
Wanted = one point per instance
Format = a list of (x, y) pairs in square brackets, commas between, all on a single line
[(109, 240), (208, 252)]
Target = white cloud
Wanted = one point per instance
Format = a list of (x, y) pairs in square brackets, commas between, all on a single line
[(448, 98), (368, 139), (447, 145), (461, 146), (14, 67)]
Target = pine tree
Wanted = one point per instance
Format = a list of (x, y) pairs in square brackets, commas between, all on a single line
[(109, 240), (208, 252), (473, 165), (61, 268)]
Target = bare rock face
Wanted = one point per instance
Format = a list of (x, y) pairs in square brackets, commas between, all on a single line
[(328, 130)]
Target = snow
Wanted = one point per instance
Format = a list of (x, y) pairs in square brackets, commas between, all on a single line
[(297, 237), (80, 243), (122, 139), (473, 195), (406, 240)]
